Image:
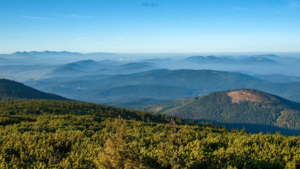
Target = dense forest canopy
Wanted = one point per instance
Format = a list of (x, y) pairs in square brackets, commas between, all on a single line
[(61, 134)]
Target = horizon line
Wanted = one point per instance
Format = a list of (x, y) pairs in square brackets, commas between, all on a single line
[(233, 52)]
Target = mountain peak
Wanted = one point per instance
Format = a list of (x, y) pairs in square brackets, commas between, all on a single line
[(253, 96)]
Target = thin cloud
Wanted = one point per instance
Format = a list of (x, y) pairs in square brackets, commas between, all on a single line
[(72, 15), (149, 5), (32, 17)]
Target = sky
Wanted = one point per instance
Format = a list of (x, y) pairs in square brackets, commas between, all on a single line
[(150, 26)]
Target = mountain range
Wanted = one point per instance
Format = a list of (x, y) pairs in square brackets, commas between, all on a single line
[(124, 81), (177, 84), (74, 64)]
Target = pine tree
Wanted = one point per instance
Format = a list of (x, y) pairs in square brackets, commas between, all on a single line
[(118, 150)]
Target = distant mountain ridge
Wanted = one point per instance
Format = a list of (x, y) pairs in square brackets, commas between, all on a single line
[(266, 56), (50, 57), (43, 53), (91, 67), (14, 90), (58, 53), (226, 60)]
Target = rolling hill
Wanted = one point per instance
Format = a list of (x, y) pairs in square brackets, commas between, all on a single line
[(245, 106), (14, 90), (77, 69), (139, 67), (204, 81)]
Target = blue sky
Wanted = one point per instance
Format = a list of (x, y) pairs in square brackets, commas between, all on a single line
[(150, 26)]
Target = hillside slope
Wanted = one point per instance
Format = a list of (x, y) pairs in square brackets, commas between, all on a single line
[(11, 89), (237, 106)]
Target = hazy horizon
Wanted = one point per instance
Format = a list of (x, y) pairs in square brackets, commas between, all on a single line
[(219, 54)]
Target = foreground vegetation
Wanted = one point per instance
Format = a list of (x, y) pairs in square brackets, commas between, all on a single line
[(58, 134)]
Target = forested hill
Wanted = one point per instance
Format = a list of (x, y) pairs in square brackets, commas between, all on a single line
[(14, 90), (237, 106)]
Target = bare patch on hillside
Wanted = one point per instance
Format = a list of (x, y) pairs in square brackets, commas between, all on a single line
[(157, 109), (244, 95)]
